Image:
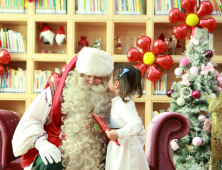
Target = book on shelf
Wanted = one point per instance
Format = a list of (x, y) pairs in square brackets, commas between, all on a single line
[(13, 81), (41, 78), (130, 7), (13, 6), (163, 7), (91, 7), (160, 86), (13, 41), (51, 6)]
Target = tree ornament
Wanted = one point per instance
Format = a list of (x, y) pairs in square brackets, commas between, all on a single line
[(197, 141), (178, 71), (209, 54), (213, 96), (187, 89), (180, 101), (219, 81), (195, 94), (169, 92), (194, 70), (201, 118), (184, 61)]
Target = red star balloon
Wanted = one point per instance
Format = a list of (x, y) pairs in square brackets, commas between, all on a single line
[(148, 58), (192, 20)]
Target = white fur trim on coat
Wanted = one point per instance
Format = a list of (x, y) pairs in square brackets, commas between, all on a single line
[(92, 61)]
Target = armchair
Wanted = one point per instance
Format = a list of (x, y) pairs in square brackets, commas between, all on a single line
[(162, 129), (8, 124)]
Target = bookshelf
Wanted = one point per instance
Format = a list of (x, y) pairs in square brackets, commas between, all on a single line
[(92, 26)]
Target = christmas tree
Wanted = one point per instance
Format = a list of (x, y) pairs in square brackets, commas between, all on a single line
[(198, 77)]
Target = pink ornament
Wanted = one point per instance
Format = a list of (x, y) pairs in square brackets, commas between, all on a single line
[(195, 94), (178, 71), (194, 70), (216, 73), (184, 61), (219, 79), (201, 118), (197, 141)]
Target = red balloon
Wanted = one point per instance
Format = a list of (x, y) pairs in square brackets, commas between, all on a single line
[(189, 5), (192, 32), (144, 42), (205, 8), (153, 73), (63, 68), (159, 46), (142, 67), (4, 56), (54, 76), (134, 55), (165, 61), (195, 94), (219, 80), (180, 31), (209, 23), (175, 15), (1, 70)]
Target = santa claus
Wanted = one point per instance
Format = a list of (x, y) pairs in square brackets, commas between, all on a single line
[(46, 35), (57, 131), (60, 37)]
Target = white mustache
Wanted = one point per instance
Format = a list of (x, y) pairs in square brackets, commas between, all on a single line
[(97, 88)]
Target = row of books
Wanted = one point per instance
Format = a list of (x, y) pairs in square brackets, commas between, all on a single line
[(91, 7), (162, 7), (41, 77), (50, 6), (160, 86), (13, 81), (130, 7), (13, 41), (14, 6)]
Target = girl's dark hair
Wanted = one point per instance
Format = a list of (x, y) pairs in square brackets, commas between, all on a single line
[(130, 82)]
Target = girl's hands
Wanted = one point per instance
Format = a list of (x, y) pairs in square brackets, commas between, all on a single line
[(112, 134)]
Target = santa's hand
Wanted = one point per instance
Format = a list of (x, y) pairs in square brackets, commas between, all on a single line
[(112, 134), (48, 150)]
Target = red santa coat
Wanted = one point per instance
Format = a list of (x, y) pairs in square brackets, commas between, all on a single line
[(53, 121)]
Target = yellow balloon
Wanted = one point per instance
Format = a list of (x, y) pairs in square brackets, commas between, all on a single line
[(149, 58), (192, 20)]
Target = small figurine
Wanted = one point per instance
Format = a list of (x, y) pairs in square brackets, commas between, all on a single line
[(51, 52), (44, 51), (97, 43), (83, 42), (61, 52), (118, 45)]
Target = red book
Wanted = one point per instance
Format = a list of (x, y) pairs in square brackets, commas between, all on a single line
[(103, 126)]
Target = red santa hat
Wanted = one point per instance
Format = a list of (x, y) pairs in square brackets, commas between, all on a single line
[(60, 36), (89, 61), (47, 33)]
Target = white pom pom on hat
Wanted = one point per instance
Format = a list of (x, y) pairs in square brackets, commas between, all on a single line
[(92, 61)]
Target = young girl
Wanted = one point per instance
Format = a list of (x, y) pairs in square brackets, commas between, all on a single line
[(124, 118)]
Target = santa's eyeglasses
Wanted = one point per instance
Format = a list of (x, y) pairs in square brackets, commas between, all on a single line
[(92, 79)]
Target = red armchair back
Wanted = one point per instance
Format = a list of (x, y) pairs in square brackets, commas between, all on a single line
[(8, 124), (162, 129)]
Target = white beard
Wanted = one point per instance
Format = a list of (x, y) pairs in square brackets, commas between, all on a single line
[(84, 149), (60, 38), (48, 36)]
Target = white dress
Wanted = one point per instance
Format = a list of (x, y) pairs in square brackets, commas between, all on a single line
[(130, 154)]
